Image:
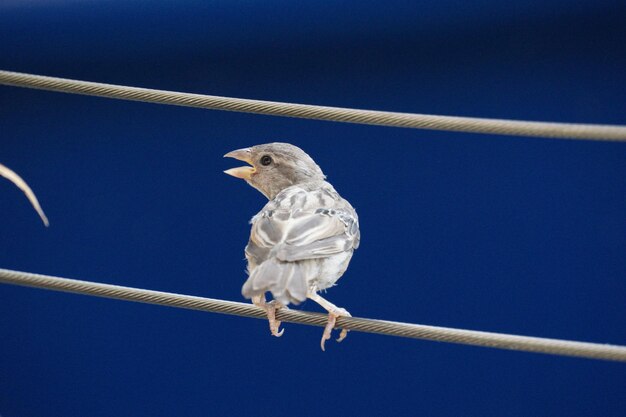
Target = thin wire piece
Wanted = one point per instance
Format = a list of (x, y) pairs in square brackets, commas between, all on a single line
[(305, 111), (12, 176), (390, 328)]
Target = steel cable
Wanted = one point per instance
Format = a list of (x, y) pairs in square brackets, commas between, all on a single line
[(337, 114), (415, 331)]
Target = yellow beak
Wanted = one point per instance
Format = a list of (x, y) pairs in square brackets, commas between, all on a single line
[(245, 172)]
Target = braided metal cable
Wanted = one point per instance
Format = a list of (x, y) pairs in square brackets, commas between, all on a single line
[(415, 331), (337, 114)]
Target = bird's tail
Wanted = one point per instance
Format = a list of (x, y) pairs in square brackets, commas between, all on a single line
[(285, 280)]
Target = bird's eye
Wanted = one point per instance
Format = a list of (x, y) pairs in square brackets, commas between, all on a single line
[(266, 160)]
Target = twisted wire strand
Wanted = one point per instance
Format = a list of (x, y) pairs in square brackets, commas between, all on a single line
[(337, 114), (390, 328), (12, 176)]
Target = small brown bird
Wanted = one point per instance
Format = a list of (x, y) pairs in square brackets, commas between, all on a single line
[(301, 242)]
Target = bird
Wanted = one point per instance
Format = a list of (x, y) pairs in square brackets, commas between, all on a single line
[(302, 240)]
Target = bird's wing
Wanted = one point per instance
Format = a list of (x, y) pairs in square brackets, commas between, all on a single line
[(303, 225), (299, 224)]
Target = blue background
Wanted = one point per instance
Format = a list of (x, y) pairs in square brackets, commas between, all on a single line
[(493, 233)]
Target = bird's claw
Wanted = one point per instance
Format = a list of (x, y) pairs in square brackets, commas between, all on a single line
[(330, 325), (271, 308), (342, 335)]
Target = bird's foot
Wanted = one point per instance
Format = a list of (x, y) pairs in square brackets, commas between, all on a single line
[(271, 309), (330, 325)]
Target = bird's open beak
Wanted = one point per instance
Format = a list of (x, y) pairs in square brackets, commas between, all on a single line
[(245, 172)]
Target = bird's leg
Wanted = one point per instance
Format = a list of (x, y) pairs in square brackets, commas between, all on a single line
[(270, 308), (333, 313)]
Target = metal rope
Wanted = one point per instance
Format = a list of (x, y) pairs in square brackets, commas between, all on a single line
[(337, 114), (415, 331)]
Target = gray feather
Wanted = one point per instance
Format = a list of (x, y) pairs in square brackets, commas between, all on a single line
[(285, 280), (319, 249), (303, 238)]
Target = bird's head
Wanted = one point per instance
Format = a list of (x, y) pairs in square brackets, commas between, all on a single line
[(274, 167)]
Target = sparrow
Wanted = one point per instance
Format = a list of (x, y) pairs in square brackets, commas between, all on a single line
[(302, 240)]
